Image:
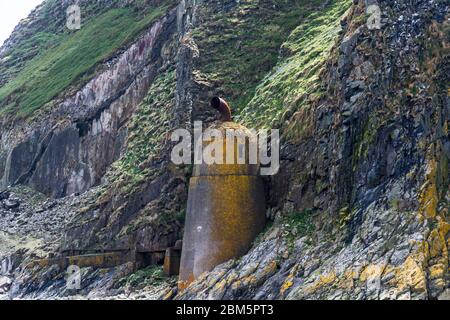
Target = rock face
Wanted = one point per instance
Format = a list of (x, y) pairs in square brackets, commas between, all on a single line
[(71, 150), (369, 166), (360, 205)]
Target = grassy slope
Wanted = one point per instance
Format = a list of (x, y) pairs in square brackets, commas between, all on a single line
[(296, 74), (43, 34), (147, 132), (240, 48), (73, 60)]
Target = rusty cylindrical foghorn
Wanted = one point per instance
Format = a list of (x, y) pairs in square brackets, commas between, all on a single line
[(226, 206)]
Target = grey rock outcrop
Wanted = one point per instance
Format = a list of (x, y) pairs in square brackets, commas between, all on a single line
[(76, 142)]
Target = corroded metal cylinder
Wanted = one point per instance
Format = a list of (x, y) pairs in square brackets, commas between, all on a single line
[(225, 211)]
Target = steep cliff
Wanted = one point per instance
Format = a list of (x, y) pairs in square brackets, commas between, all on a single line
[(359, 209), (365, 212)]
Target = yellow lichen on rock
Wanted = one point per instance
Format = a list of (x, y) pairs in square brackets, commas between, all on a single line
[(411, 275), (437, 271), (437, 243), (286, 284), (289, 281), (270, 268), (347, 281), (428, 198), (444, 228), (323, 281), (220, 285)]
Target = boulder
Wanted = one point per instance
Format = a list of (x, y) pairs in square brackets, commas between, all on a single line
[(11, 204)]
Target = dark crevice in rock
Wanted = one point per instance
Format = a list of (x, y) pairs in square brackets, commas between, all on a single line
[(24, 179)]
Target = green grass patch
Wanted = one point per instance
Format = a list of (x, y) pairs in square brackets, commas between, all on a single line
[(152, 275), (239, 47), (296, 225), (73, 61), (296, 74)]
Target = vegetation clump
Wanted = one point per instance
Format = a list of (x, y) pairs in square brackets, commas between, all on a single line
[(150, 276), (296, 74), (240, 47), (296, 225), (146, 133)]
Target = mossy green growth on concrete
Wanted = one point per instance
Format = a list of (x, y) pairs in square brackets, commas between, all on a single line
[(297, 73), (73, 59)]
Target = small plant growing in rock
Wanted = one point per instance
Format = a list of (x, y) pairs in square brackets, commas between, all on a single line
[(296, 225), (152, 275)]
